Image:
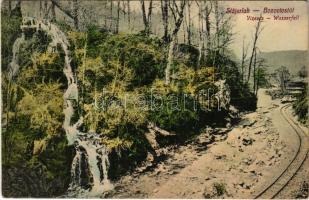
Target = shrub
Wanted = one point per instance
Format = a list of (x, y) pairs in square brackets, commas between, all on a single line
[(144, 55), (219, 188)]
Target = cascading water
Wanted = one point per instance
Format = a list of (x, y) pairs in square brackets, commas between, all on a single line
[(89, 170), (14, 64)]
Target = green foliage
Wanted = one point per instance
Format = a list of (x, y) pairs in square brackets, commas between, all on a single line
[(37, 43), (174, 111), (116, 74), (33, 136), (183, 106), (219, 188), (142, 54), (43, 106)]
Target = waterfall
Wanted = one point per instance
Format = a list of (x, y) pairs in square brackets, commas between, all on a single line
[(89, 170), (14, 64)]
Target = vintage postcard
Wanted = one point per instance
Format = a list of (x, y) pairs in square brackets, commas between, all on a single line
[(154, 99)]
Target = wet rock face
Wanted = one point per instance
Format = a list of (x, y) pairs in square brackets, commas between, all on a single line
[(25, 182), (224, 94), (83, 176)]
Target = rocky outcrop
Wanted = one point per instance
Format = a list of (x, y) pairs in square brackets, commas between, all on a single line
[(223, 95)]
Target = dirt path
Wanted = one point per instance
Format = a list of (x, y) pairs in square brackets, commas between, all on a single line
[(238, 165)]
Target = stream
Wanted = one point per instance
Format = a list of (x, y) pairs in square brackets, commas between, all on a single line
[(89, 169)]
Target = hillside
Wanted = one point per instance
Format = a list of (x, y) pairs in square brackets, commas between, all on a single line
[(293, 59)]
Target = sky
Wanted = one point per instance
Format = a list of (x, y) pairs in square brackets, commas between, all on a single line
[(276, 36)]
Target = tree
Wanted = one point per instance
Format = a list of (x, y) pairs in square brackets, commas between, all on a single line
[(243, 59), (283, 75), (53, 11), (189, 23), (164, 11), (129, 13), (46, 8), (303, 72), (254, 67), (118, 17), (258, 30), (260, 77), (205, 8), (75, 13), (111, 15), (177, 12), (208, 9), (200, 30), (146, 17), (10, 6), (217, 22), (259, 73)]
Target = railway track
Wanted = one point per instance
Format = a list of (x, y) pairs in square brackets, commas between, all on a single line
[(276, 186)]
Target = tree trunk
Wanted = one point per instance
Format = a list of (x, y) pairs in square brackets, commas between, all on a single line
[(243, 58), (184, 27), (178, 22), (254, 71), (129, 13), (200, 30), (45, 9), (41, 8), (257, 84), (118, 17), (170, 60), (251, 60), (164, 10), (146, 17), (149, 14), (207, 26), (10, 7), (105, 17), (53, 11), (145, 21), (256, 36), (217, 24), (242, 65), (75, 14), (111, 16), (189, 23)]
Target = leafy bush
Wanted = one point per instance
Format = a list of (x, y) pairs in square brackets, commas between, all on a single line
[(174, 112), (219, 188), (142, 54)]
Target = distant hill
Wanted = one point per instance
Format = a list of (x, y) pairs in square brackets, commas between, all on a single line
[(292, 59)]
